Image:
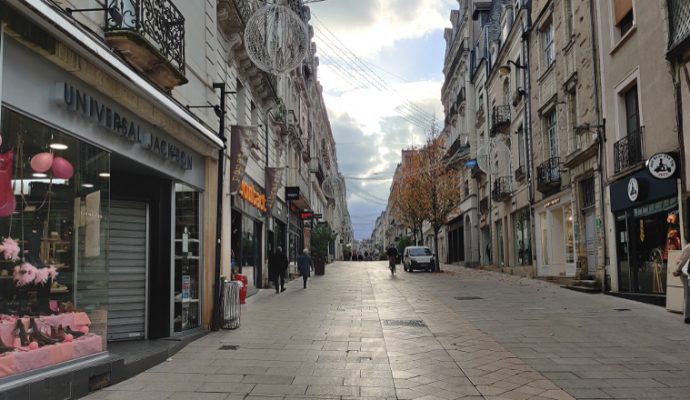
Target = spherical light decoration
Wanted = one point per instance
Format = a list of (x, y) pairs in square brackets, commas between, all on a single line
[(276, 39)]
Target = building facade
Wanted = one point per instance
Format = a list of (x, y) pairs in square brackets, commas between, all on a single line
[(111, 169)]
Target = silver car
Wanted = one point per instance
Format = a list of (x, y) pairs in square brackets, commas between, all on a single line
[(418, 257)]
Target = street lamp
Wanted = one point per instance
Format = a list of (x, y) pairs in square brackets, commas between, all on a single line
[(504, 69)]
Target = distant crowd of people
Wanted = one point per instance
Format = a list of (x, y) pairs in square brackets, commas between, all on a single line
[(363, 256)]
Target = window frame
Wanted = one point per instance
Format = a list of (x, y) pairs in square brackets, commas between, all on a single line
[(548, 48)]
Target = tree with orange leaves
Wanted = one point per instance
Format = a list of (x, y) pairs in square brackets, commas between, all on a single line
[(406, 203)]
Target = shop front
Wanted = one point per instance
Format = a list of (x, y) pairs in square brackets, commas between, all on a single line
[(456, 241), (555, 236), (647, 226), (248, 209), (99, 221)]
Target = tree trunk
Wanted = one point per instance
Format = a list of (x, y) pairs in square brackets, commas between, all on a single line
[(437, 266)]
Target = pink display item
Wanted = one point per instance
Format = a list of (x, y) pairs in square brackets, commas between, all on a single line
[(8, 203), (84, 329), (42, 274), (69, 338), (10, 249), (42, 162), (25, 274), (33, 346), (62, 168)]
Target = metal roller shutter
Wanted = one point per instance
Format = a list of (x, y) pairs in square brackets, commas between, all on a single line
[(127, 261)]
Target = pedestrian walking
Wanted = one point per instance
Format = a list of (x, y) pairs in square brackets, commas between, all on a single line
[(277, 269), (305, 265), (682, 261)]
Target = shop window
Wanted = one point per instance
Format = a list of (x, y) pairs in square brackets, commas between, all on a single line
[(569, 234), (544, 239), (523, 249), (187, 259), (54, 207)]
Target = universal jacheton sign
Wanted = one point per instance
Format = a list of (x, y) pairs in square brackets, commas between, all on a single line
[(82, 103)]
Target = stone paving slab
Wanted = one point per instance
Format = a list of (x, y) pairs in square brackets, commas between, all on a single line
[(358, 333)]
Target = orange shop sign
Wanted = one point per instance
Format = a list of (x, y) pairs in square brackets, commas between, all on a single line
[(254, 198)]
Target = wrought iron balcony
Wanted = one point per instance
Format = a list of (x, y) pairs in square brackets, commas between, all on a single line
[(520, 173), (549, 175), (500, 119), (501, 189), (679, 27), (458, 150), (628, 151), (150, 34)]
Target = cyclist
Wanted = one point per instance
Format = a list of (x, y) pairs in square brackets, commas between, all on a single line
[(392, 254)]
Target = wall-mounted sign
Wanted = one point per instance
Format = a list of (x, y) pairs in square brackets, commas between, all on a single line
[(252, 196), (661, 165), (83, 104), (292, 193), (306, 214), (633, 189), (318, 216), (273, 179)]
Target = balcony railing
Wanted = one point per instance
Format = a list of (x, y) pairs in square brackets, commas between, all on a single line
[(500, 119), (147, 32), (501, 189), (549, 175), (679, 26), (628, 151)]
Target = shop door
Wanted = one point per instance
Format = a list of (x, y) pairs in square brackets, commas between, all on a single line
[(127, 268), (591, 242)]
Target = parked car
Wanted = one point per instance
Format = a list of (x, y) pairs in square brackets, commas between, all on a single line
[(418, 257)]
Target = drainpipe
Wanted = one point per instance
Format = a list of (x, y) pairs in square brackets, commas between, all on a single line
[(527, 23), (601, 136)]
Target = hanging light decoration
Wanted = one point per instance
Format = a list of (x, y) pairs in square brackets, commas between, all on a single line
[(276, 39)]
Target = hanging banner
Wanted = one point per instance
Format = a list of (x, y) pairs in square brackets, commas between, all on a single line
[(274, 176), (238, 157)]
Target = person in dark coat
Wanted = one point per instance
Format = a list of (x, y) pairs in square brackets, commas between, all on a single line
[(305, 265), (277, 269)]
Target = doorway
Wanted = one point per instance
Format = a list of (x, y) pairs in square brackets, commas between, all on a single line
[(128, 270), (591, 241)]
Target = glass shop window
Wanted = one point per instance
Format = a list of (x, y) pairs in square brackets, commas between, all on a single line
[(187, 259), (54, 207)]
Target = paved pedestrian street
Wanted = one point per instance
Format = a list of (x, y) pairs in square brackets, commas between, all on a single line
[(356, 332)]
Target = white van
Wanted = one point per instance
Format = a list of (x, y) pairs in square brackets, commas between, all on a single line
[(418, 257)]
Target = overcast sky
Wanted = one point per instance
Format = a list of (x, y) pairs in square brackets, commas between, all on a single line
[(381, 69)]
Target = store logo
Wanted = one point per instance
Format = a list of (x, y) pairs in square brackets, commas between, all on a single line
[(661, 165), (633, 189), (254, 198), (83, 104)]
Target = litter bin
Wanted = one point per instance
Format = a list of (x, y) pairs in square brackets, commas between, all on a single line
[(243, 290), (230, 304)]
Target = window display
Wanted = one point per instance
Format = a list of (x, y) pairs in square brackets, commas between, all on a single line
[(54, 194), (187, 247)]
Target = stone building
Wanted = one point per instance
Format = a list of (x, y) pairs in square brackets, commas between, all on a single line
[(642, 196)]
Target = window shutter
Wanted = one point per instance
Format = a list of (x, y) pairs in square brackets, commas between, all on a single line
[(621, 8)]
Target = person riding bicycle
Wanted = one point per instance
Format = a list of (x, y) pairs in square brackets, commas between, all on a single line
[(392, 254)]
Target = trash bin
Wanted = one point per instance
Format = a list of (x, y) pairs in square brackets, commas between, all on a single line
[(230, 304), (243, 290)]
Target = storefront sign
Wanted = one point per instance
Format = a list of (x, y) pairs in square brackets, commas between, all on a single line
[(661, 165), (292, 193), (552, 203), (273, 179), (633, 189), (306, 214), (83, 104), (252, 196), (649, 189), (238, 157)]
